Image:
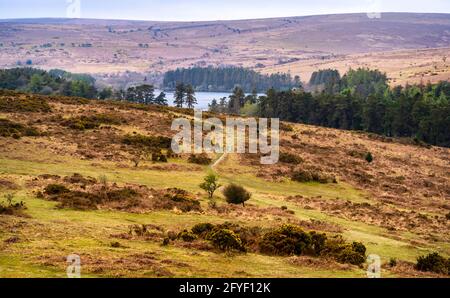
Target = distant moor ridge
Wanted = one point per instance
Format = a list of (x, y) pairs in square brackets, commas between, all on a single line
[(409, 47)]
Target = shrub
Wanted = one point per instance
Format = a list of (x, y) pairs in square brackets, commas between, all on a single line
[(91, 122), (236, 194), (302, 175), (121, 194), (226, 240), (369, 157), (116, 244), (290, 158), (392, 262), (350, 256), (166, 241), (157, 156), (162, 158), (79, 179), (11, 207), (433, 262), (78, 200), (147, 231), (138, 140), (200, 159), (202, 228), (286, 127), (186, 236), (210, 184), (447, 216), (55, 189), (359, 248), (16, 130), (318, 241), (285, 241), (177, 198)]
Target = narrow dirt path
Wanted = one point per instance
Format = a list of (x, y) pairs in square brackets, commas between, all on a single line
[(218, 161)]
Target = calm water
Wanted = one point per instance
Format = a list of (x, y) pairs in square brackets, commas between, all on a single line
[(203, 98)]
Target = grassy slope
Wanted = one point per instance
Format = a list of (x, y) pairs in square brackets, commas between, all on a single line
[(48, 235), (61, 232)]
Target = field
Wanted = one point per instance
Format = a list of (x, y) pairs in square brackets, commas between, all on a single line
[(396, 205), (408, 47)]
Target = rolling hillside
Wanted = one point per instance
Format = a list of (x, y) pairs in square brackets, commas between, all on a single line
[(72, 163)]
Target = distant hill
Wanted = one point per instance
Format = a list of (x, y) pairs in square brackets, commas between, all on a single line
[(297, 44)]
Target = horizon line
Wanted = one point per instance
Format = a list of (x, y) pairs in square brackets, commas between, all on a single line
[(222, 20)]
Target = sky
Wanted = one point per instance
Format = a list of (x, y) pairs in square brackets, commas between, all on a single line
[(200, 10)]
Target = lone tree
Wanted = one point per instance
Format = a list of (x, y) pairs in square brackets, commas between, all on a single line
[(179, 95), (236, 194), (210, 184), (190, 97)]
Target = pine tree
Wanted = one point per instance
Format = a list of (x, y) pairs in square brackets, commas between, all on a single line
[(179, 95), (237, 100), (161, 99), (191, 101)]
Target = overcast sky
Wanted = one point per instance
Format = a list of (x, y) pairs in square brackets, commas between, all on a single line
[(195, 10)]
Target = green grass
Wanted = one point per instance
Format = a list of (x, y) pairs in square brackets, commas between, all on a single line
[(55, 233)]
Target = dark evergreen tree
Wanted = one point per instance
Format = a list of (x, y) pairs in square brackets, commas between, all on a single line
[(191, 101), (161, 99), (179, 96), (237, 100)]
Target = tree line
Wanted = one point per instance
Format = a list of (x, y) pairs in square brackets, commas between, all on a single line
[(359, 100), (60, 82), (225, 79)]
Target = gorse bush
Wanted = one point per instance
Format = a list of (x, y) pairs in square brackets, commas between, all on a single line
[(292, 240), (55, 189), (202, 228), (350, 256), (359, 248), (225, 240), (392, 262), (236, 194), (287, 240), (433, 262), (187, 236)]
